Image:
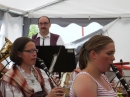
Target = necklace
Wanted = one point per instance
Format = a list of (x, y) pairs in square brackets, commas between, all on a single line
[(32, 81)]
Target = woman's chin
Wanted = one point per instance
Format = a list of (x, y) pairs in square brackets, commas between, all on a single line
[(31, 64)]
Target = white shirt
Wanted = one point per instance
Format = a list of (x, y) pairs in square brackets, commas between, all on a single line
[(28, 77), (33, 82), (47, 40)]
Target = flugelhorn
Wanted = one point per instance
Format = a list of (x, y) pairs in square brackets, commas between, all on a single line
[(5, 51)]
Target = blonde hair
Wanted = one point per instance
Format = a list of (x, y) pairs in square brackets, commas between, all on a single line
[(96, 43)]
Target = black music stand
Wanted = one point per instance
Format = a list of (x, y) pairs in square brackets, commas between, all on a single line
[(65, 61)]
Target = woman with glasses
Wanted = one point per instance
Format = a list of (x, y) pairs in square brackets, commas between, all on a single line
[(24, 79)]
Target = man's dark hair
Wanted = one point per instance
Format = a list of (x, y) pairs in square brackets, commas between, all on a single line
[(44, 16)]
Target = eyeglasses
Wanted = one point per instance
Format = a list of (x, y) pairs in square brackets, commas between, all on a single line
[(30, 51), (45, 23)]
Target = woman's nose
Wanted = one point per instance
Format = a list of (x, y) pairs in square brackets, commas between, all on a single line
[(113, 58)]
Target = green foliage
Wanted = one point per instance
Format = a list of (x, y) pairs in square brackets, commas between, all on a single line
[(33, 29)]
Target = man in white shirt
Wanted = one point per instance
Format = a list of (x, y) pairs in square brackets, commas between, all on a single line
[(44, 37)]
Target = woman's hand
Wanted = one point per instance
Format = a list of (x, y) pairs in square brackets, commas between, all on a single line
[(57, 80), (113, 85), (56, 92)]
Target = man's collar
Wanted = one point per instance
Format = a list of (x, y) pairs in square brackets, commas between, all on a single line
[(39, 35)]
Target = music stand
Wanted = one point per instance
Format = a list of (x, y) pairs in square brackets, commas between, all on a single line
[(65, 61)]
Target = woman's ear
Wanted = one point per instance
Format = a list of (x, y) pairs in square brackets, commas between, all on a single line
[(19, 54), (93, 54)]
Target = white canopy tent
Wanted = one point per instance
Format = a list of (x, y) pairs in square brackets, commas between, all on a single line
[(68, 8), (76, 11), (81, 12), (119, 31)]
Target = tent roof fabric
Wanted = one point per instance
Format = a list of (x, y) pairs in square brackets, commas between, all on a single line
[(81, 41), (24, 6), (69, 8)]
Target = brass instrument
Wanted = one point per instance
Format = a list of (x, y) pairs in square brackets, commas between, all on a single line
[(65, 79), (5, 51), (65, 82)]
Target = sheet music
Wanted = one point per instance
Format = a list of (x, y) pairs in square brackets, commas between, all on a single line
[(53, 63)]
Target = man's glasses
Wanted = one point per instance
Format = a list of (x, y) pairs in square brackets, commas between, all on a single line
[(45, 23), (30, 51)]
